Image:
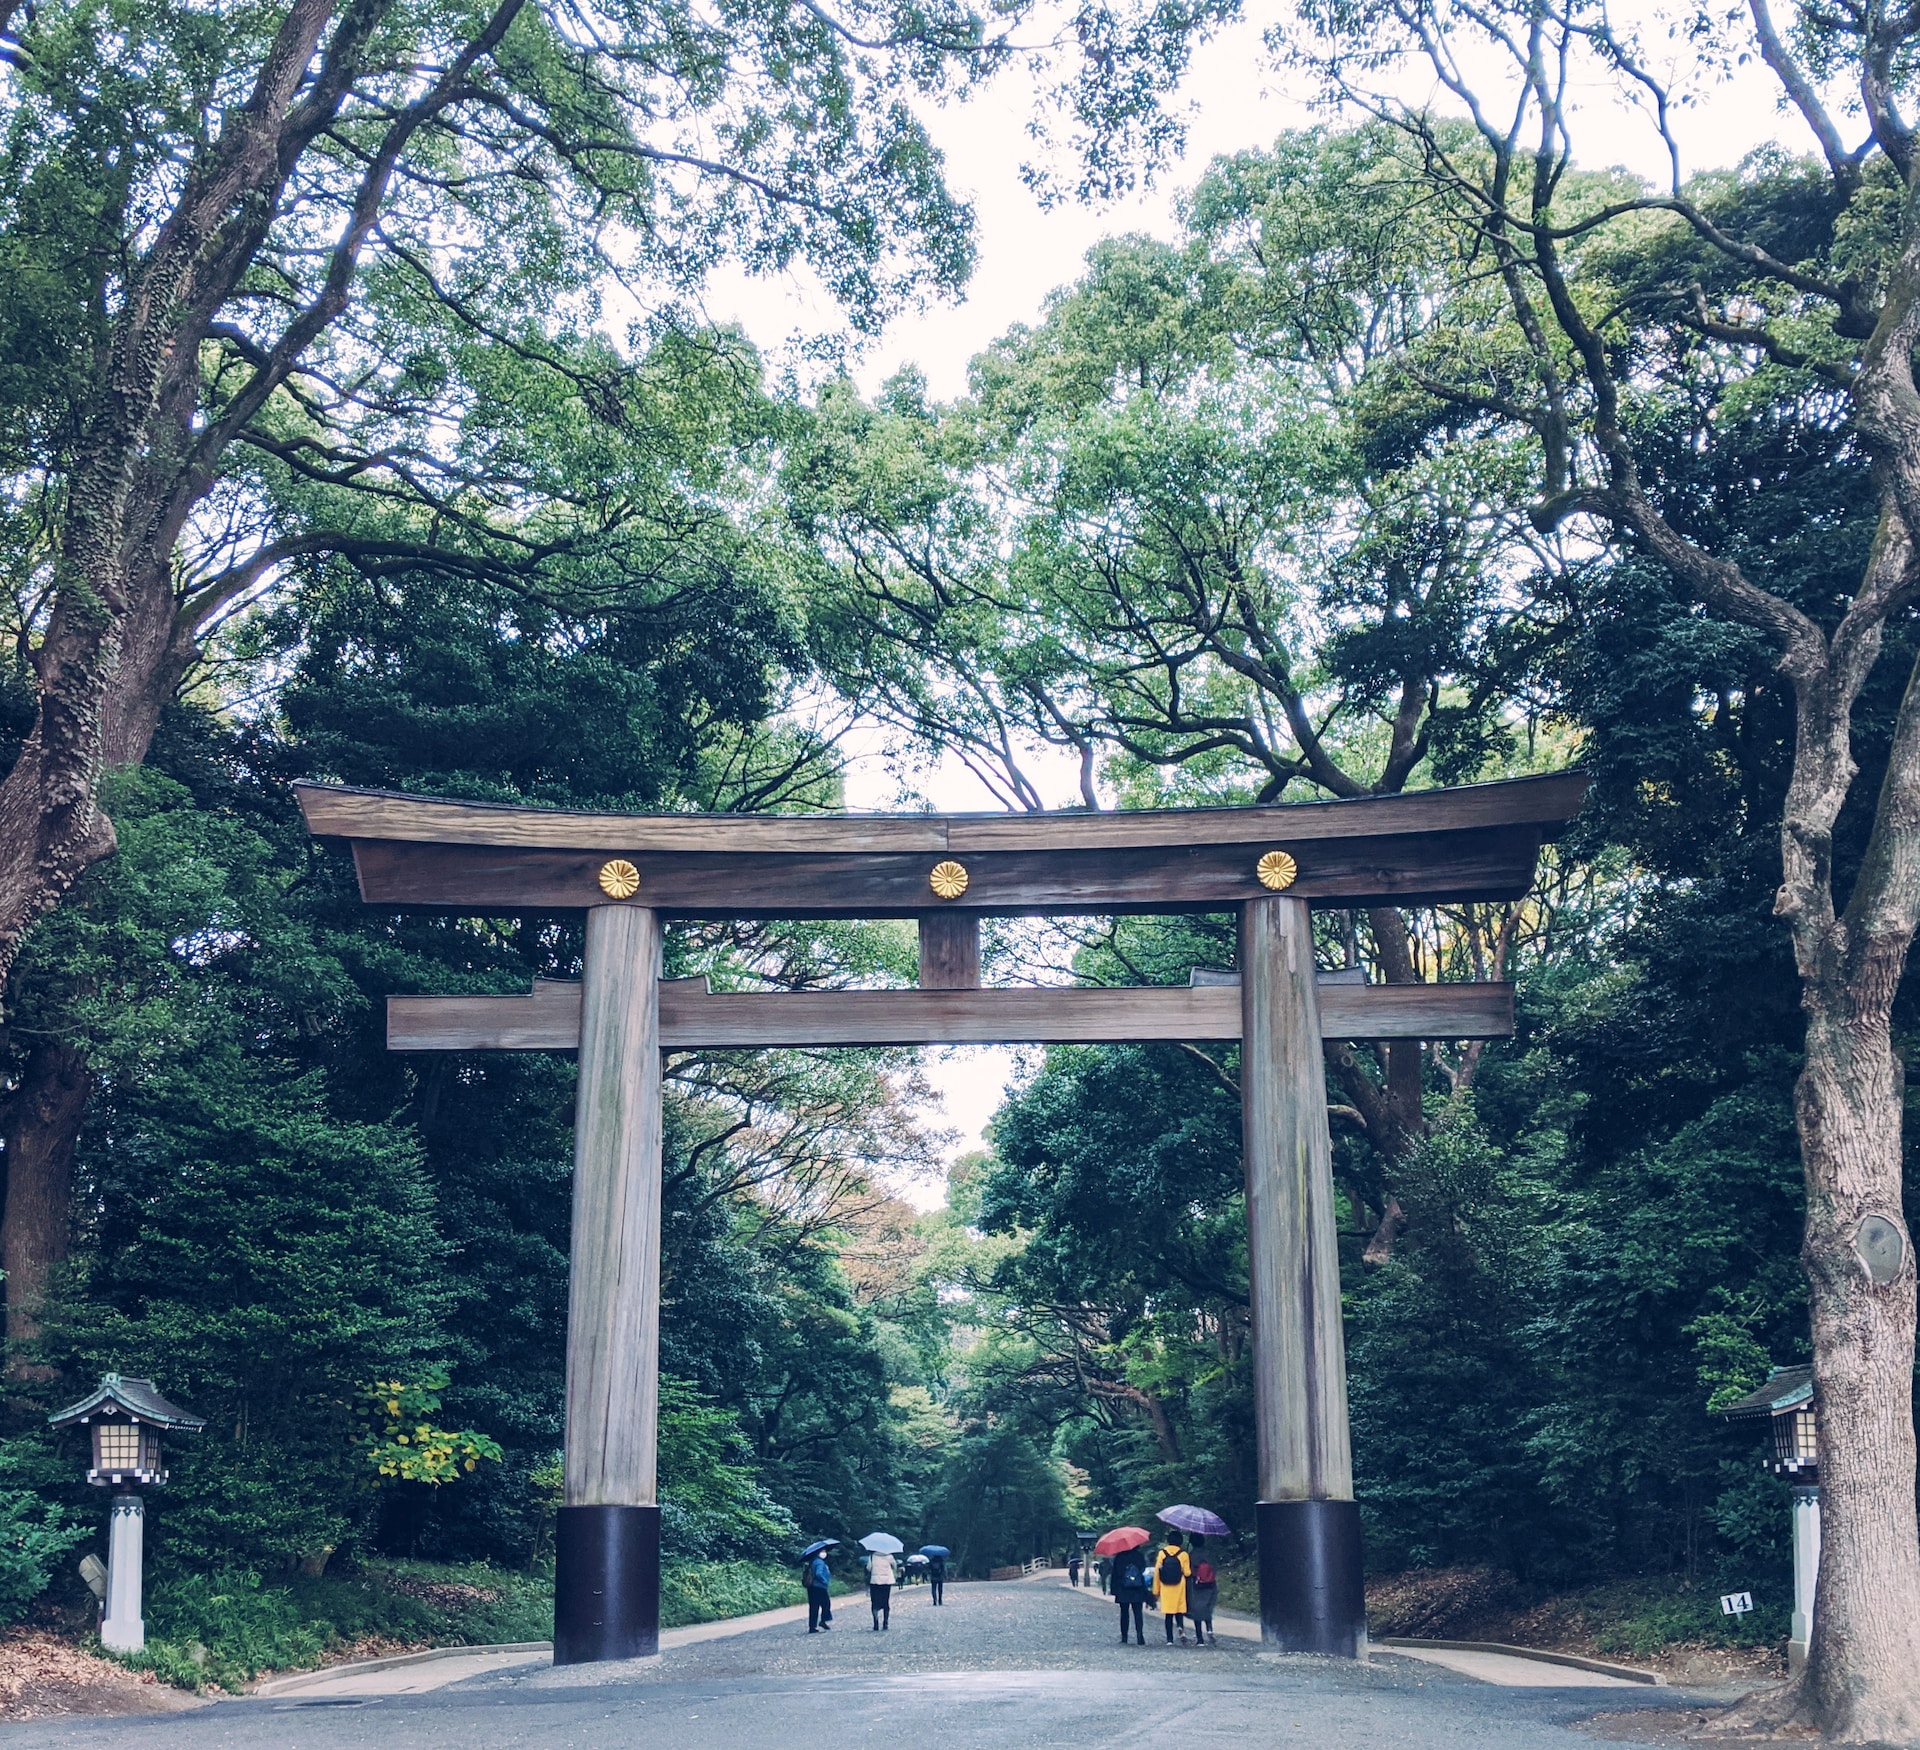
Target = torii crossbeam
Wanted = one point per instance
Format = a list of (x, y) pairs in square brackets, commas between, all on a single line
[(632, 873)]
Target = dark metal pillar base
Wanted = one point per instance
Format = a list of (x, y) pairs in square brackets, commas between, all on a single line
[(1312, 1594), (606, 1584)]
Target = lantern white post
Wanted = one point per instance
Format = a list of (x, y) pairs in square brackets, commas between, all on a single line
[(124, 1416), (123, 1630), (1806, 1574)]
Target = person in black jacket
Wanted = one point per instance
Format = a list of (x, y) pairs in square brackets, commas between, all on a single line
[(1133, 1588), (937, 1577)]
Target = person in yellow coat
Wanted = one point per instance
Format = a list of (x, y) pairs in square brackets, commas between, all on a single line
[(1171, 1571)]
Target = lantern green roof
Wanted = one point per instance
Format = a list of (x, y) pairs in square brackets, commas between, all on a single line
[(1787, 1388), (134, 1397)]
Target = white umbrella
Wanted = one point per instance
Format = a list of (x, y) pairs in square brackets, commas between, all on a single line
[(881, 1544)]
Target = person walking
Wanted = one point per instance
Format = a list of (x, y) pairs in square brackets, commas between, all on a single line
[(819, 1594), (1073, 1569), (1101, 1569), (1131, 1587), (880, 1578), (1202, 1593), (1171, 1571), (937, 1577)]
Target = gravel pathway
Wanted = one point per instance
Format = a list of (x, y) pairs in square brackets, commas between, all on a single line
[(1015, 1666)]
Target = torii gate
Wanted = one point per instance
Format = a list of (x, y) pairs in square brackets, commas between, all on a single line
[(632, 873)]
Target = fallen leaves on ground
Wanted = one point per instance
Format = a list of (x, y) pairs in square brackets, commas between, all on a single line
[(42, 1675), (1485, 1604), (1689, 1726), (447, 1595)]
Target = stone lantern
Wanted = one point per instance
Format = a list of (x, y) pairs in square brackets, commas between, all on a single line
[(1787, 1401), (126, 1417)]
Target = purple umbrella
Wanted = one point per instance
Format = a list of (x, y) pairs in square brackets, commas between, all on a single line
[(1195, 1519)]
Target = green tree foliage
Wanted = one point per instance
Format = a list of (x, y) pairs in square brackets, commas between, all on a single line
[(1002, 1500), (1186, 531), (287, 1211), (402, 1446), (258, 1252), (1602, 1226), (713, 1505), (37, 1529)]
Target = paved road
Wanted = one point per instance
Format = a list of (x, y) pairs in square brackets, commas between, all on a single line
[(1022, 1666)]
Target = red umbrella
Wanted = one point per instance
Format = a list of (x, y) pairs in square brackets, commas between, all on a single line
[(1122, 1537)]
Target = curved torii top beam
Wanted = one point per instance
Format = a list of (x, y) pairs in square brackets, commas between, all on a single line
[(1473, 842)]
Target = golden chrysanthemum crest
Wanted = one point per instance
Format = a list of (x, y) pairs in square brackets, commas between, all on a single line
[(619, 879), (948, 880), (1276, 870)]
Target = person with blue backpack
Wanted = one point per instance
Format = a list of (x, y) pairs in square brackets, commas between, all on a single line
[(1132, 1588)]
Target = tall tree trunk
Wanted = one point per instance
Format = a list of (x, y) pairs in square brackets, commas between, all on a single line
[(1866, 1635), (1862, 1682), (140, 463), (40, 1129), (51, 848)]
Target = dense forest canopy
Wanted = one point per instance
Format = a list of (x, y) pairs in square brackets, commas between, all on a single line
[(1209, 529), (1254, 514)]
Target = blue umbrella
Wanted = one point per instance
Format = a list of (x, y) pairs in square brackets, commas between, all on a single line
[(818, 1544), (935, 1549)]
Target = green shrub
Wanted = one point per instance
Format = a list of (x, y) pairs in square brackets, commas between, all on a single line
[(711, 1591), (1240, 1585), (713, 1509), (34, 1535), (1643, 1619), (227, 1628)]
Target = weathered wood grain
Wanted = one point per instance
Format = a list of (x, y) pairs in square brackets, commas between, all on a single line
[(1405, 869), (379, 814), (1299, 1347), (548, 1020), (613, 1304), (949, 950), (693, 1019), (385, 814), (1545, 801)]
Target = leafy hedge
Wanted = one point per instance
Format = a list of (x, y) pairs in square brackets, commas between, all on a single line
[(223, 1630), (712, 1591)]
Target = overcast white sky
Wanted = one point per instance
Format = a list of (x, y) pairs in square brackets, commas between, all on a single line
[(1238, 99)]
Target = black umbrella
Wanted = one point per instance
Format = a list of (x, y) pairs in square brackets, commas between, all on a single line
[(935, 1549), (818, 1544)]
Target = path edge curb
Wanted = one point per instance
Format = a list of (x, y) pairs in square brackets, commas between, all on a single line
[(1631, 1673), (354, 1667)]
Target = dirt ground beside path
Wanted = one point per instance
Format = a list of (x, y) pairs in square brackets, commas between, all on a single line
[(45, 1677), (1484, 1604)]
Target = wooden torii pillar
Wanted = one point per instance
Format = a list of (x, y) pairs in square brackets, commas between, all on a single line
[(631, 874)]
